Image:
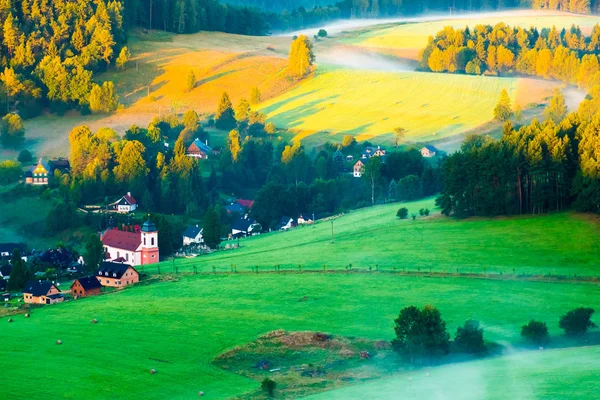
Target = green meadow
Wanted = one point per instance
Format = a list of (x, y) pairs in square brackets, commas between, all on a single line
[(556, 244), (178, 328)]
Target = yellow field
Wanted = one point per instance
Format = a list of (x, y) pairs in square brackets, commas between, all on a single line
[(407, 40), (368, 104)]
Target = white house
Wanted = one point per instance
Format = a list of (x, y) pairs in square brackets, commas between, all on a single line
[(429, 151), (193, 235), (126, 204), (286, 223), (302, 220), (135, 248), (245, 227)]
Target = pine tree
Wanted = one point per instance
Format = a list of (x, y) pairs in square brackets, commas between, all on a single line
[(503, 111), (123, 58), (191, 81), (212, 228), (233, 143), (224, 118), (557, 109), (18, 273)]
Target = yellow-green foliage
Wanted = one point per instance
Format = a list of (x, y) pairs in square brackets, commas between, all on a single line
[(367, 104)]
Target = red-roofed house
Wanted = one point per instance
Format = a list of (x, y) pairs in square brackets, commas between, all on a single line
[(126, 204), (134, 248), (247, 204)]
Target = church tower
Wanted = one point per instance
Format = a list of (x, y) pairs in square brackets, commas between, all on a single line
[(150, 254)]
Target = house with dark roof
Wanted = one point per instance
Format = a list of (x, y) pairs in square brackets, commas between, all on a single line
[(88, 286), (247, 204), (286, 223), (370, 151), (193, 235), (125, 204), (136, 248), (61, 164), (42, 292), (429, 151), (235, 208), (245, 227), (117, 275), (199, 150), (7, 249), (39, 174)]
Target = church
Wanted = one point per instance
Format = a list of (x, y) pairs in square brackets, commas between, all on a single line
[(139, 247)]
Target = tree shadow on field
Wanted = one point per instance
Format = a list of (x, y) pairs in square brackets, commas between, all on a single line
[(353, 132), (215, 77), (295, 117), (279, 104)]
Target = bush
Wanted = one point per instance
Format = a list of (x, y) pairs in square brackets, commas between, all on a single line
[(12, 132), (535, 332), (402, 213), (426, 212), (322, 33), (420, 334), (25, 156), (469, 338), (577, 322), (268, 385), (10, 171)]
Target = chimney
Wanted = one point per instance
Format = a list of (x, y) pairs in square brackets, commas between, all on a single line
[(129, 194)]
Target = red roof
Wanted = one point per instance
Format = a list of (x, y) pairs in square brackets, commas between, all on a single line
[(245, 203), (129, 199), (122, 240)]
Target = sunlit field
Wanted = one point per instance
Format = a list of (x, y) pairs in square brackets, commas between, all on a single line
[(369, 104)]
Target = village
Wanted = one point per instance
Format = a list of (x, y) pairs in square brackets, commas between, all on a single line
[(129, 247)]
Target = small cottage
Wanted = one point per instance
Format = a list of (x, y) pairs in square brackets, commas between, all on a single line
[(358, 168), (88, 286), (193, 235), (125, 204), (286, 223), (39, 174), (199, 150), (117, 275), (41, 292), (429, 151)]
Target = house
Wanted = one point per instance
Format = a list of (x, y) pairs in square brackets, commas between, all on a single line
[(7, 249), (125, 204), (286, 223), (88, 286), (369, 152), (429, 151), (193, 235), (358, 168), (305, 219), (117, 275), (39, 174), (349, 158), (244, 227), (137, 248), (41, 292), (247, 204), (199, 150), (235, 208), (5, 271)]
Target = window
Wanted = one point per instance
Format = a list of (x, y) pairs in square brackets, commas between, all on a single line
[(152, 241), (114, 275), (126, 257), (152, 255), (144, 240), (118, 255)]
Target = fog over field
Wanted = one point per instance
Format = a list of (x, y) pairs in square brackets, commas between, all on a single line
[(356, 58)]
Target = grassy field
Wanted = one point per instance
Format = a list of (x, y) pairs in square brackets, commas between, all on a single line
[(559, 244), (367, 104), (553, 374), (178, 328), (407, 40)]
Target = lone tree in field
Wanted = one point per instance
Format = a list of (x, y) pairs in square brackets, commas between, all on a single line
[(301, 56), (12, 130), (577, 322), (503, 111), (399, 134), (191, 81), (123, 58), (94, 253), (557, 109), (212, 228), (268, 385), (103, 99), (518, 114), (469, 338), (421, 334), (255, 96), (535, 332), (322, 33), (402, 213), (224, 118)]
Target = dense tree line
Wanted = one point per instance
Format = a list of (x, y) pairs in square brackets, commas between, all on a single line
[(565, 54), (535, 169), (49, 51)]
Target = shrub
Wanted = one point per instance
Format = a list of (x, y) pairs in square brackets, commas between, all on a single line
[(535, 332), (469, 338), (12, 130), (402, 213), (426, 212), (10, 171), (25, 156), (268, 385), (577, 322), (322, 33)]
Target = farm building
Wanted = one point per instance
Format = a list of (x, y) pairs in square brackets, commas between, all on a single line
[(88, 286), (193, 235), (286, 224), (39, 174), (199, 150), (125, 204), (429, 151), (244, 227), (369, 152), (305, 219), (358, 168), (117, 275), (41, 292), (137, 248)]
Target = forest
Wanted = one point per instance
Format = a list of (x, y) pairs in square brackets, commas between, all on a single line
[(565, 55), (538, 168)]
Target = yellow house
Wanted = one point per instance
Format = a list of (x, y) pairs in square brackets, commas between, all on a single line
[(41, 292), (39, 174)]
